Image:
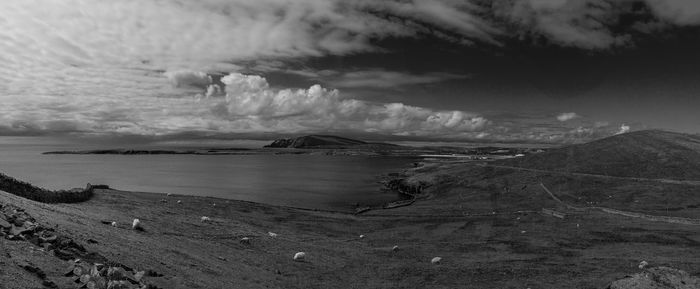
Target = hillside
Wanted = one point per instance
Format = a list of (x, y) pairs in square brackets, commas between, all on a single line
[(643, 154), (324, 141)]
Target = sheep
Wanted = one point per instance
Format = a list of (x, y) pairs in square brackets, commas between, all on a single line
[(245, 241), (205, 219), (273, 235), (299, 256), (362, 236), (136, 225), (114, 224), (643, 264), (436, 260), (179, 202), (395, 248), (169, 194)]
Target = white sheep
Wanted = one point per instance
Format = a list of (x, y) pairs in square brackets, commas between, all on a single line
[(136, 225), (643, 264), (395, 248), (169, 194), (362, 236), (205, 219), (273, 235), (436, 260), (114, 224), (179, 202), (299, 256)]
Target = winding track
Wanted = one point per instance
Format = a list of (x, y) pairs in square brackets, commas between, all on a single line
[(655, 218), (665, 181)]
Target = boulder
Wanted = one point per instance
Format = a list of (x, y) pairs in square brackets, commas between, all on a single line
[(657, 278), (4, 224)]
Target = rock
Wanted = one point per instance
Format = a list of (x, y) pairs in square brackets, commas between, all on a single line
[(19, 230), (33, 269), (139, 275), (63, 254), (643, 264), (299, 256), (395, 248), (362, 236), (179, 202), (49, 284), (151, 273), (436, 260), (106, 222), (118, 285), (48, 239), (79, 270), (69, 272), (656, 278), (116, 273), (4, 224)]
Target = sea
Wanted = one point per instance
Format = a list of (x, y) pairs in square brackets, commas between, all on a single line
[(306, 181)]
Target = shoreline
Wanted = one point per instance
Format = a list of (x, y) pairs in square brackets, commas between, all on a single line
[(245, 244)]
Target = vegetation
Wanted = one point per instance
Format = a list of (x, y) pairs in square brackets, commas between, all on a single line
[(29, 191), (642, 154)]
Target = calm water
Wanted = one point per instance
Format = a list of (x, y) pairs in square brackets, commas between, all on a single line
[(327, 182)]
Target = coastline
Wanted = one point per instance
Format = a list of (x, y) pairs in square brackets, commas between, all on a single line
[(450, 220)]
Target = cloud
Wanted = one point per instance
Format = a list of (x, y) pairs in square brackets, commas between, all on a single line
[(623, 129), (566, 116), (680, 12), (386, 79), (250, 98), (585, 24), (186, 78)]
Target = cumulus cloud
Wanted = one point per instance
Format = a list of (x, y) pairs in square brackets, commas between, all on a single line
[(623, 129), (186, 78), (250, 97), (566, 116)]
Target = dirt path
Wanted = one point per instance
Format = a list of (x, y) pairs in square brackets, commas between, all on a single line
[(665, 181), (655, 218)]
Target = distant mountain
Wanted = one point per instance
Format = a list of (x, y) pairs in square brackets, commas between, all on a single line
[(325, 141), (643, 154)]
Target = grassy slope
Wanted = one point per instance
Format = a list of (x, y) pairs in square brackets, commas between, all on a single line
[(644, 154)]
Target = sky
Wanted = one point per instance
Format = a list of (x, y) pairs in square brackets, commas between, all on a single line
[(551, 71)]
